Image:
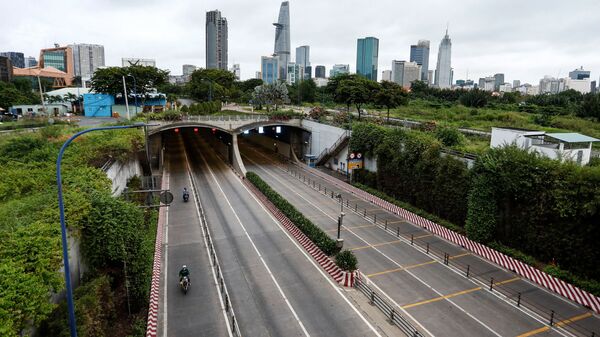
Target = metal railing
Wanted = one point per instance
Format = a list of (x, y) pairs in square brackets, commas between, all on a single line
[(216, 267), (327, 151), (387, 309), (225, 118), (518, 297)]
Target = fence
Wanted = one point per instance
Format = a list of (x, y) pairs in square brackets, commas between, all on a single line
[(520, 299)]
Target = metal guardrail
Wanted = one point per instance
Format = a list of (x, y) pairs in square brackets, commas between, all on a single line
[(225, 118), (214, 260), (388, 310), (516, 296)]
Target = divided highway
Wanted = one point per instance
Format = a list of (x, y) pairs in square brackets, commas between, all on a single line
[(443, 301), (276, 289)]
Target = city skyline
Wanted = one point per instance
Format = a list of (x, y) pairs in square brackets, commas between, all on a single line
[(525, 45)]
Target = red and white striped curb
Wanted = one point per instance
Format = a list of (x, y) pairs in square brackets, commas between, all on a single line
[(340, 276), (533, 274), (151, 327)]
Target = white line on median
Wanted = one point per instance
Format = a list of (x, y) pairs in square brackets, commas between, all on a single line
[(166, 248), (254, 246)]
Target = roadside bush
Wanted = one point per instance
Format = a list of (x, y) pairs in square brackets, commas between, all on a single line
[(346, 260), (449, 136), (312, 231)]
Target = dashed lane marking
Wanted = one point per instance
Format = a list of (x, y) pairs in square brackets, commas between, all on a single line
[(557, 324), (376, 245), (401, 268)]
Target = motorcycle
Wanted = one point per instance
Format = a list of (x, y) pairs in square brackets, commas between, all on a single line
[(186, 197), (185, 284)]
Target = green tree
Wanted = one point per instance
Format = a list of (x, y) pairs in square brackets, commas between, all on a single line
[(390, 96), (110, 80), (203, 81), (357, 91), (590, 106), (308, 90), (474, 98), (10, 95)]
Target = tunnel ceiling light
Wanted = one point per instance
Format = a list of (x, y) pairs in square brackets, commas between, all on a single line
[(278, 129), (261, 129), (195, 129), (176, 130), (246, 132)]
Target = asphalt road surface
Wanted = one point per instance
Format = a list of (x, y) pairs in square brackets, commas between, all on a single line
[(442, 300), (276, 289)]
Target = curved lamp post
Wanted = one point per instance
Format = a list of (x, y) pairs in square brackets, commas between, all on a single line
[(63, 226)]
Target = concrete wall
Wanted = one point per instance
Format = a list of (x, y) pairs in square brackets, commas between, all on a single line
[(269, 143), (120, 173), (323, 136)]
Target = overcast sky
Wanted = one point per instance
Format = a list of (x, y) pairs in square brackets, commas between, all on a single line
[(523, 39)]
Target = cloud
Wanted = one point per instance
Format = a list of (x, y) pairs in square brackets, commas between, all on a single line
[(523, 39)]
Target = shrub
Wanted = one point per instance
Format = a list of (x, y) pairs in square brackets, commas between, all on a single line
[(449, 136), (346, 260)]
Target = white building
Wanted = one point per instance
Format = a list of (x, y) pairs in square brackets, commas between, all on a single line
[(506, 87), (237, 72), (320, 82), (386, 75), (294, 72), (443, 71), (404, 73), (487, 83), (551, 85), (188, 69), (583, 85), (127, 61), (562, 146)]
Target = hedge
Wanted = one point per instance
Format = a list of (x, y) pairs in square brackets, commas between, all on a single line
[(344, 260)]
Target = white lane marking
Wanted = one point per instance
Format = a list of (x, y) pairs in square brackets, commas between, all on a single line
[(311, 260), (387, 257), (254, 246), (216, 283), (166, 275)]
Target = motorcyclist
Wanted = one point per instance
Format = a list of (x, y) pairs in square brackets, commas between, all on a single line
[(184, 272), (186, 193)]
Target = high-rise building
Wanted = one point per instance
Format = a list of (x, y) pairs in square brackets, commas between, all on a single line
[(516, 83), (443, 71), (17, 59), (87, 58), (419, 53), (237, 72), (303, 60), (430, 77), (258, 75), (386, 75), (188, 69), (5, 69), (498, 81), (404, 73), (339, 69), (30, 61), (579, 74), (282, 39), (320, 71), (487, 83), (270, 69), (216, 40), (593, 87), (131, 61), (60, 58), (551, 85), (294, 73), (367, 55)]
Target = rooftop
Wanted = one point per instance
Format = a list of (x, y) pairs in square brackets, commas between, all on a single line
[(572, 137)]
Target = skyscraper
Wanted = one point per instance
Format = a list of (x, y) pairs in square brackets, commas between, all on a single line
[(579, 74), (303, 60), (282, 39), (367, 54), (216, 40), (320, 71), (30, 61), (237, 72), (443, 71), (419, 53), (269, 69), (6, 69), (338, 69), (17, 59), (498, 81), (404, 73), (87, 58)]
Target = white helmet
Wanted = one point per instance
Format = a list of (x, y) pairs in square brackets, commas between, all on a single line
[(184, 266)]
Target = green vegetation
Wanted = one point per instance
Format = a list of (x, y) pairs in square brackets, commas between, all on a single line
[(344, 260), (110, 80), (17, 92), (30, 249), (518, 202)]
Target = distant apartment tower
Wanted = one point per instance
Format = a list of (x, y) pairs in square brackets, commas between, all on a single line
[(386, 75), (269, 69), (282, 39), (419, 53), (579, 74), (320, 71), (258, 75), (303, 60), (5, 69), (498, 81), (236, 70), (188, 69), (338, 69), (367, 55), (131, 61), (516, 83), (87, 58), (294, 73), (60, 58), (30, 61), (404, 73), (443, 71), (17, 59), (216, 40), (593, 87), (551, 85), (487, 83)]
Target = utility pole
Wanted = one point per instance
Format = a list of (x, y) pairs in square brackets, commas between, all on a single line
[(125, 94), (41, 94)]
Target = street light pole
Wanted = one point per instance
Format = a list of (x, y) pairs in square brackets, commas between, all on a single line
[(63, 226), (125, 94), (134, 92)]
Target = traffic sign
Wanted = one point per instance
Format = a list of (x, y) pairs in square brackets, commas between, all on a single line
[(352, 155), (166, 197)]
